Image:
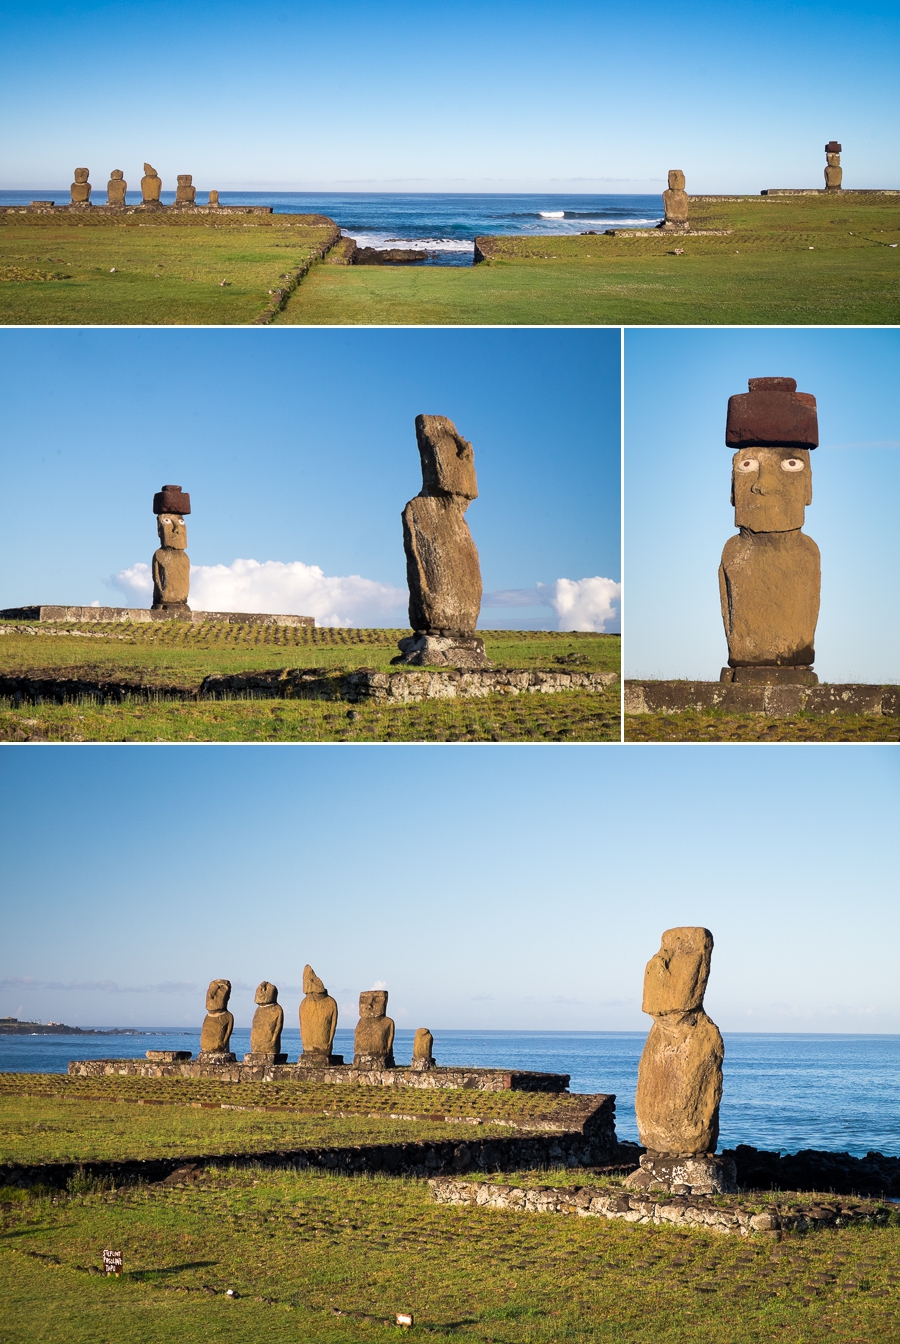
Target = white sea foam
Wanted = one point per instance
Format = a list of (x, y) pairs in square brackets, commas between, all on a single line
[(552, 214), (382, 242)]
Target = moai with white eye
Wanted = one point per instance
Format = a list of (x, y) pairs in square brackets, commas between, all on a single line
[(769, 578), (171, 565), (834, 173)]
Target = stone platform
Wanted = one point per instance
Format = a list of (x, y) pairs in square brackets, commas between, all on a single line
[(478, 1080), (143, 615), (774, 701), (366, 684)]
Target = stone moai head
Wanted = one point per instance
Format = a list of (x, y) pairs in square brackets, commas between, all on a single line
[(833, 154), (185, 179), (373, 1003), (448, 460), (311, 982), (149, 170), (172, 531), (675, 979), (82, 174), (117, 175), (266, 993), (217, 996), (676, 179), (773, 427)]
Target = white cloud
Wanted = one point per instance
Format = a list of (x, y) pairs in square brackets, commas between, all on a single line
[(580, 604), (282, 586), (380, 984)]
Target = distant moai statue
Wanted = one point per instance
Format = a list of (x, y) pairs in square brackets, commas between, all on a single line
[(171, 565), (423, 1050), (266, 1028), (680, 1074), (151, 186), (834, 173), (116, 188), (675, 202), (373, 1041), (769, 578), (318, 1022), (442, 568), (185, 192), (215, 1034), (213, 198), (81, 187)]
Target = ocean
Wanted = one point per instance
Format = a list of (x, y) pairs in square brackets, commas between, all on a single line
[(442, 226), (782, 1092)]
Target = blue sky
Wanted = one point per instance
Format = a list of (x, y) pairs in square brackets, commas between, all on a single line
[(678, 478), (589, 96), (300, 447), (510, 887)]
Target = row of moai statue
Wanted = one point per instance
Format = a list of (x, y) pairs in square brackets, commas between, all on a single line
[(675, 199), (151, 188), (769, 578), (373, 1042)]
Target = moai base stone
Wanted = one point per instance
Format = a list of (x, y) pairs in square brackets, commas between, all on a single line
[(834, 173), (680, 1074), (171, 565), (423, 1051), (675, 203), (373, 1041), (151, 186), (185, 192), (266, 1028), (318, 1023), (81, 187), (215, 1034), (169, 1056), (116, 188), (442, 568), (769, 578)]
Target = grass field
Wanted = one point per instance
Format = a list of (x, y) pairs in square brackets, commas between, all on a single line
[(721, 726), (809, 260), (330, 1259)]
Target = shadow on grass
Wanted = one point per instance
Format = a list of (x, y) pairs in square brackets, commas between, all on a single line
[(148, 1275)]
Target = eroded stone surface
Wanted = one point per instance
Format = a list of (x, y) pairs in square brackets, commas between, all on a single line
[(318, 1020), (151, 185), (373, 1040), (185, 191), (215, 1034), (675, 200), (423, 1049), (116, 188), (268, 1021), (81, 187)]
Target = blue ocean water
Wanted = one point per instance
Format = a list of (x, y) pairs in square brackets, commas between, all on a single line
[(442, 225), (782, 1092)]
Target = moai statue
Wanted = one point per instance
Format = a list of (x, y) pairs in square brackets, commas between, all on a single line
[(151, 186), (834, 173), (680, 1074), (442, 567), (81, 187), (116, 188), (373, 1042), (185, 193), (318, 1023), (213, 198), (423, 1051), (215, 1034), (171, 565), (769, 577), (265, 1031), (675, 201)]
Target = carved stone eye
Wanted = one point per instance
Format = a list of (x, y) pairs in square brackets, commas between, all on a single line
[(746, 464), (792, 464)]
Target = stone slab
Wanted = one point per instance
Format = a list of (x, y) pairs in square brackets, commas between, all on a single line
[(774, 701), (141, 615), (478, 1080)]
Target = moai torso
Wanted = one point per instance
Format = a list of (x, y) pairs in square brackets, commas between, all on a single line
[(116, 188), (215, 1034), (213, 198), (171, 564), (318, 1019), (834, 173), (185, 192), (81, 187), (373, 1041), (769, 578), (268, 1021), (675, 200), (151, 186), (423, 1049)]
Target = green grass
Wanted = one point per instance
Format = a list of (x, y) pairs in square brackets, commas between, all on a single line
[(722, 726), (332, 1260), (166, 273)]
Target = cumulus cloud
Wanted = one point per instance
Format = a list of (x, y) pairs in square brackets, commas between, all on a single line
[(282, 586), (580, 604)]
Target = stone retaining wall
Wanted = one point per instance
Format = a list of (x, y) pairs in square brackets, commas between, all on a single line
[(774, 701), (692, 1211), (143, 615), (366, 684)]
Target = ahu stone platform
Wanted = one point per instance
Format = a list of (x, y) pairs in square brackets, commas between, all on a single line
[(366, 684), (143, 615), (478, 1080), (774, 700)]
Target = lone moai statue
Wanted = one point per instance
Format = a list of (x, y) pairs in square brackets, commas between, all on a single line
[(81, 187), (442, 567), (215, 1034), (318, 1022), (675, 202), (680, 1074), (151, 186), (423, 1051), (373, 1041), (116, 188), (769, 578), (834, 173), (171, 564), (185, 192), (266, 1028), (213, 198)]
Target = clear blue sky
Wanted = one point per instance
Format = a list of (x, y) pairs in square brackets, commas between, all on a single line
[(491, 887), (586, 96), (678, 478), (300, 446)]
